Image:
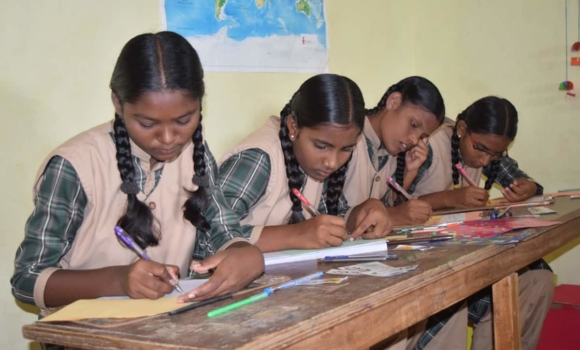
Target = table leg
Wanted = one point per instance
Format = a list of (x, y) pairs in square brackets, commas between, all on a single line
[(506, 313)]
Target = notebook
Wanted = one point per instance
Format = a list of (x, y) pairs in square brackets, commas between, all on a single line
[(361, 246)]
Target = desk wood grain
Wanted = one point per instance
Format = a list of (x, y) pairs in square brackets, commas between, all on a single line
[(348, 316)]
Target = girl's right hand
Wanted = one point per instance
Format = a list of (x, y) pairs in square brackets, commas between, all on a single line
[(147, 279), (321, 231), (469, 197), (416, 156), (413, 211)]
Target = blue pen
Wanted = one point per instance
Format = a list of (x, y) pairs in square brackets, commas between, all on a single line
[(353, 256), (140, 252), (295, 282), (342, 259)]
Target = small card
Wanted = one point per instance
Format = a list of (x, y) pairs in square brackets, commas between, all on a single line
[(374, 268), (540, 211)]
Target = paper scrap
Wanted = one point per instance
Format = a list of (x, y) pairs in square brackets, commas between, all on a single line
[(541, 211), (374, 268), (113, 308)]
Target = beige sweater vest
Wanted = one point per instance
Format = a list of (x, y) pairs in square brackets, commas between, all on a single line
[(439, 175), (275, 206), (92, 154), (363, 181)]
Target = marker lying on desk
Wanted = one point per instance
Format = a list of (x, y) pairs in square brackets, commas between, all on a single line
[(398, 187), (346, 258), (420, 239), (140, 252), (265, 293), (465, 176), (311, 207), (200, 304)]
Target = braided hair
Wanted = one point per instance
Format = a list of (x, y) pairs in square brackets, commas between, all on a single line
[(419, 92), (488, 115), (157, 62), (322, 99)]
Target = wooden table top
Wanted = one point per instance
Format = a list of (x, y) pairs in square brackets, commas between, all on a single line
[(355, 314)]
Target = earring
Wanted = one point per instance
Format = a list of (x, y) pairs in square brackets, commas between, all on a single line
[(292, 136)]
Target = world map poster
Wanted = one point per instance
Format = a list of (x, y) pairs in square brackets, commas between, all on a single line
[(252, 35)]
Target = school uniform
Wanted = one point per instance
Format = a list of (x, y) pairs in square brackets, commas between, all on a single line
[(435, 175), (369, 168), (535, 283), (78, 201), (366, 178), (252, 177)]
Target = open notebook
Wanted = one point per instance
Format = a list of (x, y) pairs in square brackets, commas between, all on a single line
[(360, 246)]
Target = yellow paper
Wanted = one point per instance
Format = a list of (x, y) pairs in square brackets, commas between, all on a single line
[(114, 308)]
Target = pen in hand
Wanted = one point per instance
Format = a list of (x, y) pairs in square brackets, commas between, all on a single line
[(140, 252), (312, 209)]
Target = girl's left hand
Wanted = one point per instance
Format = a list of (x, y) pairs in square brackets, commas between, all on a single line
[(519, 190), (372, 220), (416, 156), (235, 267)]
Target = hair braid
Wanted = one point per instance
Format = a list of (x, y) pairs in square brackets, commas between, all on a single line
[(292, 167), (494, 169), (144, 231), (455, 157), (400, 177), (383, 100), (195, 205), (334, 188)]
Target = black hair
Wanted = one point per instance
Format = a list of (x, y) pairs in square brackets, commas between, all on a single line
[(163, 61), (488, 115), (322, 99), (419, 92)]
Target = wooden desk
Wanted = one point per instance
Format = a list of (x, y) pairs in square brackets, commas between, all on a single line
[(348, 316)]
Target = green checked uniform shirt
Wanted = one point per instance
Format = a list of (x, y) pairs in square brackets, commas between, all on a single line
[(252, 176)]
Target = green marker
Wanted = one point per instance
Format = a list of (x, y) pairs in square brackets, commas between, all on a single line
[(266, 293)]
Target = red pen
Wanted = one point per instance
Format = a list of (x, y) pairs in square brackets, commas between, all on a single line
[(314, 211), (465, 176), (305, 201)]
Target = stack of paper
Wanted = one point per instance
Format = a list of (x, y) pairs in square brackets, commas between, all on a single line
[(360, 246)]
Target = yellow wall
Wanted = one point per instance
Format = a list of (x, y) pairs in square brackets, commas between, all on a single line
[(514, 49), (57, 57)]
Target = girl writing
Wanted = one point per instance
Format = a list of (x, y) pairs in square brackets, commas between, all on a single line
[(306, 148), (148, 171), (394, 144)]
